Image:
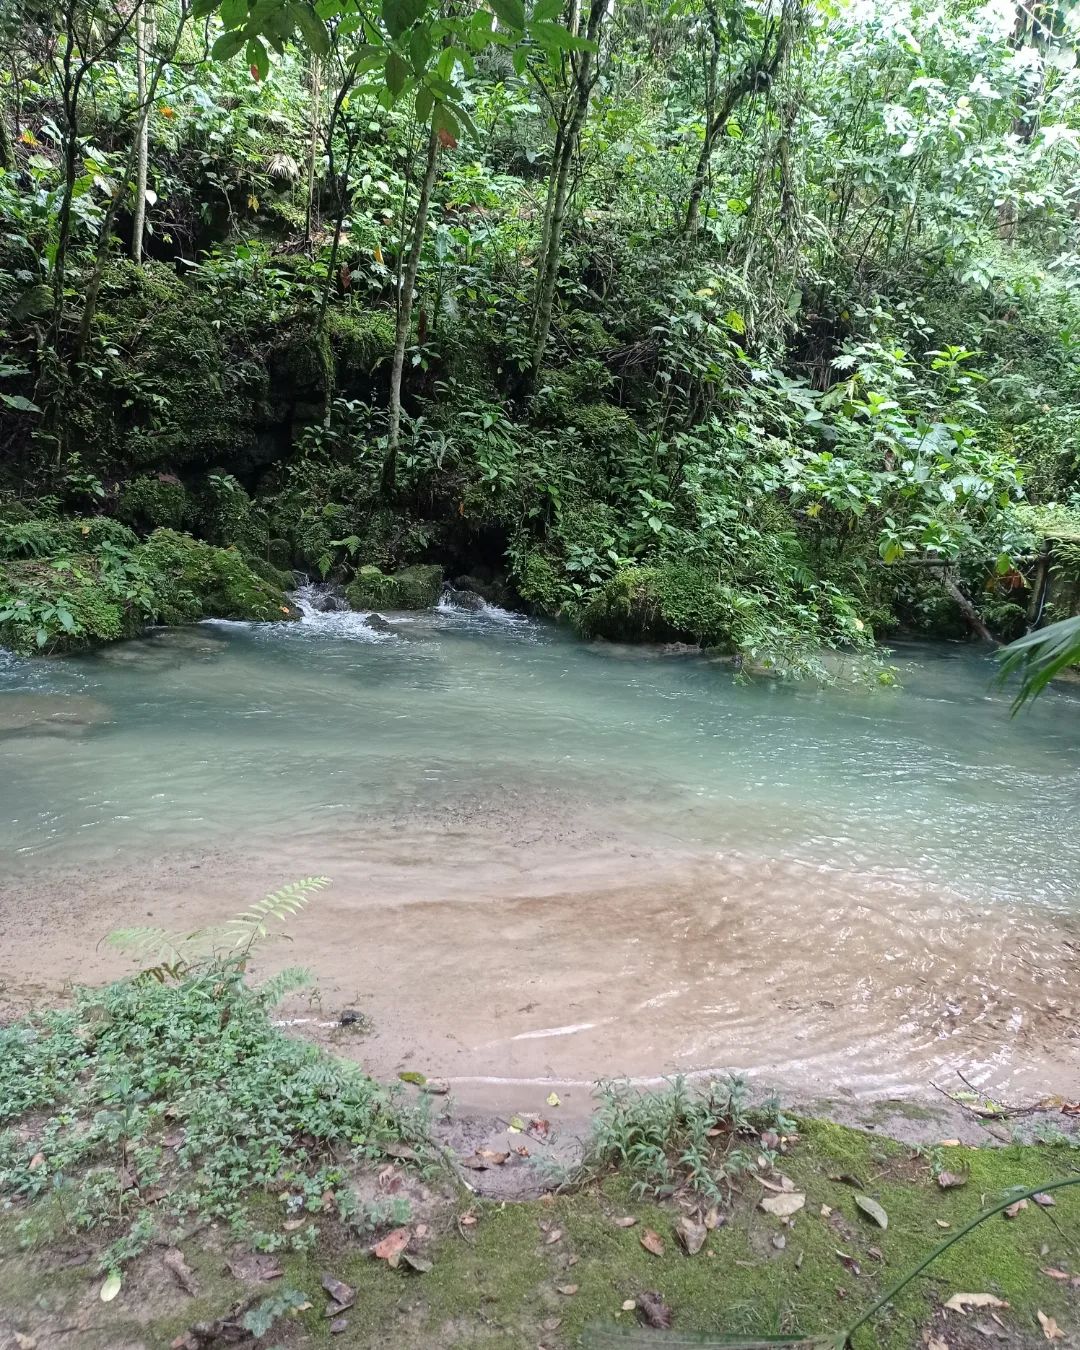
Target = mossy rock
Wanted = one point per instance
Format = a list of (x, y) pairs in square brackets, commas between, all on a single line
[(664, 603), (537, 583), (412, 588), (195, 580), (50, 605), (151, 501)]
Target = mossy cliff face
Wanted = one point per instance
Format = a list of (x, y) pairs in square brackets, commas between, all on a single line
[(412, 588)]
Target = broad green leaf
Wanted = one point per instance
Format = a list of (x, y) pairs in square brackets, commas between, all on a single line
[(397, 72), (234, 13), (227, 45), (419, 49), (510, 13), (311, 26), (425, 101), (259, 57), (400, 15)]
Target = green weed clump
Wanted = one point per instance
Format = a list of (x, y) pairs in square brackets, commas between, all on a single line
[(154, 1100)]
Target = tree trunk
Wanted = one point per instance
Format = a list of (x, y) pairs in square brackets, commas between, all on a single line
[(313, 145), (404, 312), (143, 31), (558, 198), (7, 149)]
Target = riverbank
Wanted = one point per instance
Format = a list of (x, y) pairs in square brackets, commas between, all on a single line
[(176, 1172)]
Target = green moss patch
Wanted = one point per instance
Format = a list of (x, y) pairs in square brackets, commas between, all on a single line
[(415, 587)]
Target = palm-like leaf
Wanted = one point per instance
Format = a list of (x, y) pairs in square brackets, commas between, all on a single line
[(1039, 656)]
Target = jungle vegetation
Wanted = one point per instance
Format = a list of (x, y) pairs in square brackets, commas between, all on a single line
[(748, 322)]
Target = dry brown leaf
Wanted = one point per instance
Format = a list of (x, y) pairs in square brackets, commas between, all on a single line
[(1044, 1200), (568, 1289), (1054, 1273), (961, 1302), (826, 1210), (344, 1295), (551, 1323), (652, 1242), (653, 1310), (291, 1225), (941, 1223), (692, 1235), (468, 1219), (713, 1218), (950, 1143), (251, 1267), (949, 1180), (627, 1221), (1050, 1328), (36, 1161), (1013, 1210), (936, 1343), (629, 1304), (392, 1245), (784, 1205), (492, 1156), (554, 1236), (173, 1261)]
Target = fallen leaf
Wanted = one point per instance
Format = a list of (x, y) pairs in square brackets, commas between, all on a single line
[(411, 1076), (291, 1225), (942, 1224), (551, 1323), (629, 1304), (344, 1295), (516, 1125), (435, 1087), (1046, 1201), (468, 1219), (714, 1219), (110, 1288), (338, 1326), (848, 1260), (492, 1157), (1050, 1328), (653, 1310), (1055, 1274), (539, 1127), (949, 1143), (174, 1138), (1070, 1108), (652, 1242), (961, 1302), (392, 1245), (784, 1205), (402, 1152), (770, 1140), (848, 1180), (950, 1180), (627, 1221), (568, 1289), (692, 1235), (553, 1099), (936, 1343), (554, 1236), (826, 1210), (250, 1267), (420, 1264), (173, 1260), (873, 1210), (36, 1161), (1013, 1210)]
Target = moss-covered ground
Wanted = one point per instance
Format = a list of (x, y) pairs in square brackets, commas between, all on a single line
[(550, 1271)]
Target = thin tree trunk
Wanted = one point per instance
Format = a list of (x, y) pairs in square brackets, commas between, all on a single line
[(101, 257), (143, 28), (313, 144), (585, 76), (7, 149), (404, 312)]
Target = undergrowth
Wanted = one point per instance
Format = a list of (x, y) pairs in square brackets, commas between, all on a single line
[(172, 1097)]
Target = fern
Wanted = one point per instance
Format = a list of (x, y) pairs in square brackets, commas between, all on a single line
[(175, 954), (273, 990)]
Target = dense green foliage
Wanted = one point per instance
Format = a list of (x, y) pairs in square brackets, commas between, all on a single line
[(754, 324)]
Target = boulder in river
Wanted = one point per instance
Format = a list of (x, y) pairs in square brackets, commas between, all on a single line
[(416, 587)]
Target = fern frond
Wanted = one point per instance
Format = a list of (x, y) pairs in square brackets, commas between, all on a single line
[(150, 943), (278, 905), (284, 982)]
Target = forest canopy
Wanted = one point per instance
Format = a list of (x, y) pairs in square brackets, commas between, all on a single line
[(751, 324)]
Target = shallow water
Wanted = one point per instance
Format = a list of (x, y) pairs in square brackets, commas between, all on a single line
[(603, 860)]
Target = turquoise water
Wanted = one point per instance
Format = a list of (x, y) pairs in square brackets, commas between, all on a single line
[(224, 731)]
